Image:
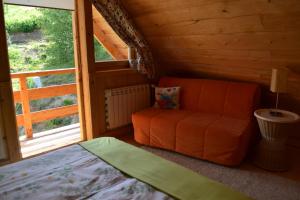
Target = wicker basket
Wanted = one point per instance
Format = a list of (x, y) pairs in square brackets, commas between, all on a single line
[(271, 151)]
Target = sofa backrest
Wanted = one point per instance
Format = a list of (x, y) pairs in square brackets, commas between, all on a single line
[(228, 98)]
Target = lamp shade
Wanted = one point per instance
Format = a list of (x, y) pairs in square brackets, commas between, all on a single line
[(279, 80)]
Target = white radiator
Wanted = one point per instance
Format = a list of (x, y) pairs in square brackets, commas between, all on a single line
[(120, 103)]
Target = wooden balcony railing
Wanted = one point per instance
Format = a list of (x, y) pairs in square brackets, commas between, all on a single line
[(25, 95)]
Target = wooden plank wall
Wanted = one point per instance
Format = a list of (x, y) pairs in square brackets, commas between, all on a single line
[(227, 39)]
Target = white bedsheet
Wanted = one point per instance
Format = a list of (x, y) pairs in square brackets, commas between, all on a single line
[(70, 173)]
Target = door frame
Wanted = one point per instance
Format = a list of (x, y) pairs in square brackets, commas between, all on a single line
[(78, 72), (8, 121)]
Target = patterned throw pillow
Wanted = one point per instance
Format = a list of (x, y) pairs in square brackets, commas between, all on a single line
[(167, 97)]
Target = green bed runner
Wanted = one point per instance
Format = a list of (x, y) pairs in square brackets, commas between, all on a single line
[(162, 174)]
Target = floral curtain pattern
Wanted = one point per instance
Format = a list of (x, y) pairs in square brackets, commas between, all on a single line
[(118, 18)]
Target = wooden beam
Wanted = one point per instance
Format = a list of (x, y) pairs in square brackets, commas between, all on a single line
[(79, 82), (107, 37), (17, 96), (87, 58), (20, 120), (54, 113), (7, 106), (43, 73), (107, 44), (111, 65), (48, 114), (26, 107), (51, 91)]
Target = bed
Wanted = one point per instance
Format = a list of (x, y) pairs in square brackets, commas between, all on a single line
[(106, 168)]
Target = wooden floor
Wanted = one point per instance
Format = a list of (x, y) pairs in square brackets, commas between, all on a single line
[(50, 140)]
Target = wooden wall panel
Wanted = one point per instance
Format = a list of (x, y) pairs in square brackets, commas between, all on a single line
[(225, 39)]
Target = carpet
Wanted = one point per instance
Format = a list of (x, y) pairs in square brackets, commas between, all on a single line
[(258, 185)]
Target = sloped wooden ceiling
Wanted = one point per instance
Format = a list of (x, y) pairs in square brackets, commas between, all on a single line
[(234, 39), (228, 39), (108, 38)]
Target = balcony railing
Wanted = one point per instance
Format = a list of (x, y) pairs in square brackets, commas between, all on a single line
[(25, 95)]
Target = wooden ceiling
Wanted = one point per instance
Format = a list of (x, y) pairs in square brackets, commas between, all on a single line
[(108, 38), (227, 39)]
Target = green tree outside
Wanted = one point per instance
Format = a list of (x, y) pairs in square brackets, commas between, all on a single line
[(54, 51)]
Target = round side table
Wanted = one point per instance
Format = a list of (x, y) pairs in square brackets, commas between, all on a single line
[(275, 129)]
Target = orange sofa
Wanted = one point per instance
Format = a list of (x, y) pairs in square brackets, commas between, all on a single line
[(214, 122)]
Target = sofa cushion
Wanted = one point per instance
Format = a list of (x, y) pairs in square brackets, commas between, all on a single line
[(141, 123), (241, 100), (214, 96), (190, 133), (189, 90), (163, 128), (226, 140)]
